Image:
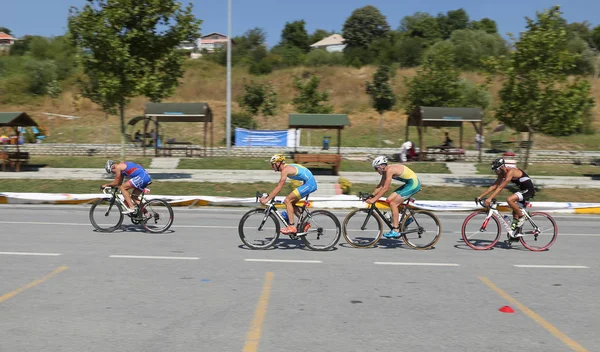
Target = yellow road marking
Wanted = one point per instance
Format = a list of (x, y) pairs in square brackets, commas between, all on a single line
[(538, 319), (11, 294), (253, 338)]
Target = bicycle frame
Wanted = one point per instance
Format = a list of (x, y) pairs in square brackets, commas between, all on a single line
[(403, 213), (493, 210), (117, 196), (271, 208)]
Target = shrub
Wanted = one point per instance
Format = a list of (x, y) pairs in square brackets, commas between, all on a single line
[(345, 184)]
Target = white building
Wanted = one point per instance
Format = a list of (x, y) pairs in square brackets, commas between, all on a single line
[(213, 41), (333, 43)]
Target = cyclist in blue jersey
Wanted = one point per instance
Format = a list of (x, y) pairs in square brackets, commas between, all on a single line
[(294, 172), (138, 180)]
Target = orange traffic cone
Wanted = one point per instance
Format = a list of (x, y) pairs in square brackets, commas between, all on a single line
[(506, 309)]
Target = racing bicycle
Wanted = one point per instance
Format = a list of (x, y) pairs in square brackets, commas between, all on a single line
[(481, 229), (363, 227), (155, 215), (318, 229)]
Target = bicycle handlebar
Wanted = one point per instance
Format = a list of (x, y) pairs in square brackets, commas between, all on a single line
[(493, 204), (364, 196)]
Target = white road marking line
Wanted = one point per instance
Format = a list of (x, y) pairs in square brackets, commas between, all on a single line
[(151, 257), (87, 224), (418, 264), (552, 266), (26, 253), (284, 261)]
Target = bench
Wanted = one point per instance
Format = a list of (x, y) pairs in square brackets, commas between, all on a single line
[(14, 159), (325, 160)]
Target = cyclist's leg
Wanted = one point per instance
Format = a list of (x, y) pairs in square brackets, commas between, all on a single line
[(403, 192), (126, 188), (307, 188)]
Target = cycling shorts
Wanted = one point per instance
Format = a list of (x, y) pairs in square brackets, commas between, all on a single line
[(307, 188), (140, 182), (411, 187)]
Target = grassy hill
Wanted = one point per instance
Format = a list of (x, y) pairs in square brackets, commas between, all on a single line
[(206, 82)]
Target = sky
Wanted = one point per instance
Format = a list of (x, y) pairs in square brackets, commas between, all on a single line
[(49, 17)]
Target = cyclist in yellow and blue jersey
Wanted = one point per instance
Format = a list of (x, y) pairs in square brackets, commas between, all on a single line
[(397, 172), (294, 172)]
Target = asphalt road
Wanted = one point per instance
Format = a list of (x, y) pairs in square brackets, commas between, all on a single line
[(64, 287)]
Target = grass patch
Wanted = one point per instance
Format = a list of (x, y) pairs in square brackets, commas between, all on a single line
[(225, 163), (249, 190), (549, 170), (87, 162)]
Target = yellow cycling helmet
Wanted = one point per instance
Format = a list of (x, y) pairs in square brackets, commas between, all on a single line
[(277, 158)]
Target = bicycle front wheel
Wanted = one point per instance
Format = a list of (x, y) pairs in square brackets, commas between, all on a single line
[(362, 229), (105, 215), (258, 230), (421, 230), (157, 216), (539, 233), (480, 232), (320, 230)]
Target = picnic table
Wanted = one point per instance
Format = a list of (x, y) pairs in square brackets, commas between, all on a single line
[(185, 146), (450, 152)]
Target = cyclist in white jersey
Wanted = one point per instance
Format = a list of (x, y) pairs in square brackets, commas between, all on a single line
[(294, 172)]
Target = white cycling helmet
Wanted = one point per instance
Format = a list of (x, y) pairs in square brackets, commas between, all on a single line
[(108, 166), (379, 161)]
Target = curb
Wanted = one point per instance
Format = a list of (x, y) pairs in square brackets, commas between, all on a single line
[(333, 202)]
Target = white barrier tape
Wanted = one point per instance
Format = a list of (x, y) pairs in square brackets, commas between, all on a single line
[(333, 202)]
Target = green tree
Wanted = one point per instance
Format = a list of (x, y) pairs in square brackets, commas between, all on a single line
[(130, 49), (437, 82), (485, 24), (382, 95), (452, 21), (363, 26), (259, 98), (471, 47), (294, 35), (536, 96), (6, 30), (595, 38), (421, 25), (311, 100)]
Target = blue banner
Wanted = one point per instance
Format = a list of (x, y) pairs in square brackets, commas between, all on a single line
[(260, 138)]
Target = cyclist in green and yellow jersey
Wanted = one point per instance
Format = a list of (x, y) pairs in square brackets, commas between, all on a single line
[(397, 172), (294, 172)]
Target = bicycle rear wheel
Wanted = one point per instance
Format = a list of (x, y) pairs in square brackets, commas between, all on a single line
[(421, 230), (480, 232), (105, 215), (257, 230), (362, 230), (157, 216), (320, 230), (539, 233)]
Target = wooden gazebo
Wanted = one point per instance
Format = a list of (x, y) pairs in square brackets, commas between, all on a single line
[(426, 116), (180, 112)]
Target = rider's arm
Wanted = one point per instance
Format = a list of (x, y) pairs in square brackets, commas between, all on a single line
[(279, 186), (386, 184), (491, 188), (379, 186), (500, 184)]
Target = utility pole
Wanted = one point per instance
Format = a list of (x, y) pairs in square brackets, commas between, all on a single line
[(228, 117)]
